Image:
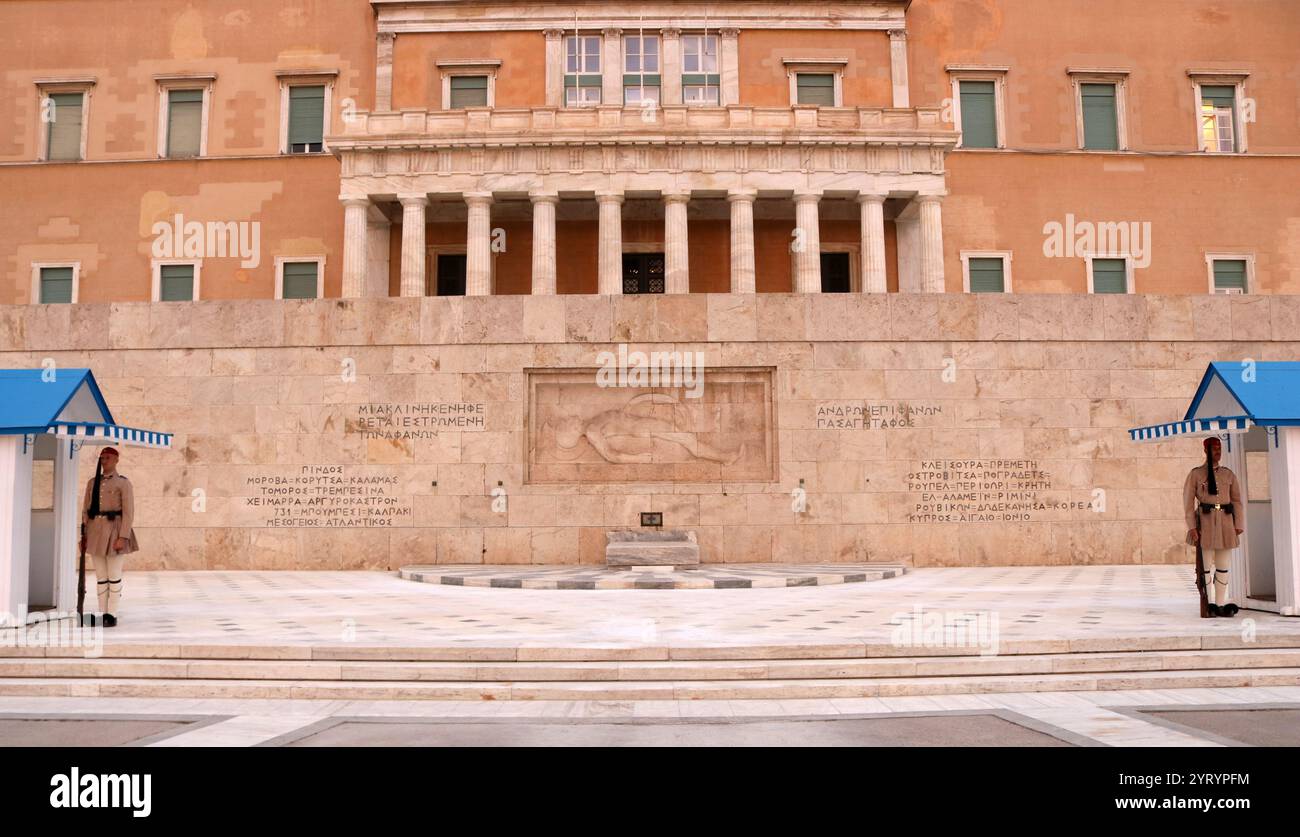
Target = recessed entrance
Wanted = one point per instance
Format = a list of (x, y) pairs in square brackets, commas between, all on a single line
[(643, 273), (450, 274), (837, 273)]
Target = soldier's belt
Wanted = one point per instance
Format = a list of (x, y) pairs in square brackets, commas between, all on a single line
[(111, 515), (1209, 507)]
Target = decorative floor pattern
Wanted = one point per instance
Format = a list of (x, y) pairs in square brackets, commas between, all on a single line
[(704, 577)]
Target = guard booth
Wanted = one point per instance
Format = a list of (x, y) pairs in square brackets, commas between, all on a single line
[(46, 416), (1254, 407)]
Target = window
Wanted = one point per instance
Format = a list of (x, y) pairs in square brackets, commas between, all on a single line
[(1108, 276), (815, 89), (979, 114), (986, 273), (299, 278), (175, 281), (1100, 118), (306, 119), (468, 92), (701, 83), (55, 283), (641, 70), (1219, 118), (66, 115), (184, 126), (1230, 274), (582, 71)]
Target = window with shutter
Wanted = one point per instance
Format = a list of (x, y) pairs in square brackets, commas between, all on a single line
[(641, 79), (1219, 118), (56, 285), (176, 283), (1100, 117), (701, 82), (979, 114), (1230, 276), (987, 275), (1109, 276), (300, 280), (184, 123), (306, 119), (816, 89), (469, 92), (66, 115)]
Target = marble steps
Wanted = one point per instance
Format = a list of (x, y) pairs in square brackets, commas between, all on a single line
[(251, 670), (658, 690), (470, 652)]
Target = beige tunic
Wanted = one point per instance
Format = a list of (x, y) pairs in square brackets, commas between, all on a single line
[(1218, 528), (115, 494)]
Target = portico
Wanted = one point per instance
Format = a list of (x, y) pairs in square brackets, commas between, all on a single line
[(740, 170)]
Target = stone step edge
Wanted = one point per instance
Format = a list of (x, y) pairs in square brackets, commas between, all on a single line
[(618, 653), (676, 690), (647, 671)]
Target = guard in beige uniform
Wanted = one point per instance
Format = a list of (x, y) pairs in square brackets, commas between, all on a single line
[(107, 535), (1212, 494)]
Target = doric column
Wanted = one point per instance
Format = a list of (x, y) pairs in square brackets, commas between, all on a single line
[(544, 205), (354, 246), (610, 250), (384, 71), (677, 253), (554, 67), (873, 244), (612, 65), (931, 244), (671, 66), (478, 247), (742, 241), (413, 255), (729, 69), (807, 243), (898, 67)]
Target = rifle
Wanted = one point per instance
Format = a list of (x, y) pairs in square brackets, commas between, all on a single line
[(1201, 586), (81, 579)]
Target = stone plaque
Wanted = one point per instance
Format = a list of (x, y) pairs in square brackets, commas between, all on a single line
[(580, 431)]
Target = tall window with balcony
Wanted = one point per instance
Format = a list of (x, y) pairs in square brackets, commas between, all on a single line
[(701, 83), (641, 71), (582, 71)]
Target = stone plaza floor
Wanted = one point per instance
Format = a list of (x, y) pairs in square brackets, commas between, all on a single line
[(1035, 609)]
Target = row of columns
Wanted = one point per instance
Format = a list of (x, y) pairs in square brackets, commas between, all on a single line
[(806, 243)]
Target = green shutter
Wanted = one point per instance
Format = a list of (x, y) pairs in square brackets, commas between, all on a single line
[(986, 276), (701, 79), (1109, 276), (816, 89), (979, 114), (65, 129), (639, 80), (56, 285), (306, 115), (1100, 118), (1221, 96), (469, 92), (176, 283), (299, 280), (1230, 274), (184, 123)]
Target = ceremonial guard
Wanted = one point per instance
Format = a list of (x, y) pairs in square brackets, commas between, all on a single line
[(106, 530), (1215, 520)]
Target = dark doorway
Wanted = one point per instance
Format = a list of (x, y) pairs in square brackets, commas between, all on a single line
[(643, 273), (451, 274), (837, 278)]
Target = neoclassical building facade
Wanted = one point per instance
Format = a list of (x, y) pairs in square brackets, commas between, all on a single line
[(506, 147)]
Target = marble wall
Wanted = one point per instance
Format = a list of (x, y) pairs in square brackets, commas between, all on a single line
[(935, 430)]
